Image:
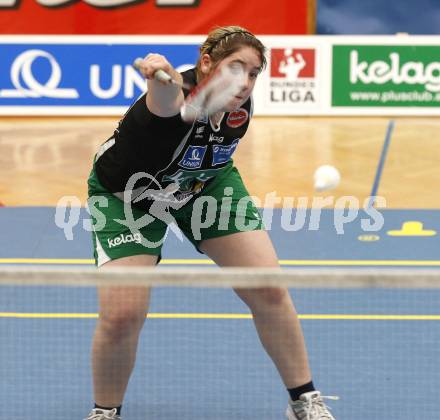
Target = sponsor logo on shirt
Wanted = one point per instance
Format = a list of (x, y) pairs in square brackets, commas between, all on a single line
[(222, 154), (124, 239), (218, 139), (196, 188), (199, 132), (193, 157), (237, 118)]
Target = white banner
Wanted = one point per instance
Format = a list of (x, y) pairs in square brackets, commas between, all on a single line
[(306, 75)]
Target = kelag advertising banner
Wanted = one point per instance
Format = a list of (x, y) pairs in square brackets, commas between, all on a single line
[(93, 75), (391, 76), (143, 17)]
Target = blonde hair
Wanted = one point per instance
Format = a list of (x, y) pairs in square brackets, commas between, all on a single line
[(226, 40)]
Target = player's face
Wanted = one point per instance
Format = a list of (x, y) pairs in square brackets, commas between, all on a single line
[(247, 61)]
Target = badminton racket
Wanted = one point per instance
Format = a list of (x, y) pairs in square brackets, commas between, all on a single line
[(212, 94)]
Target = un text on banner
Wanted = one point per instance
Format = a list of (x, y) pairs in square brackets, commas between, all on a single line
[(79, 75)]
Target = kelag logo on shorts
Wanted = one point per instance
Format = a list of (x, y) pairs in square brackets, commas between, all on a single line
[(292, 77), (386, 75), (124, 239)]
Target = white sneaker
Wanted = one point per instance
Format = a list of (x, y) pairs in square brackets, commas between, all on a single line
[(310, 406), (98, 414)]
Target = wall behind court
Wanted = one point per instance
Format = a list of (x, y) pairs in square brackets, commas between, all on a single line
[(378, 17), (166, 17)]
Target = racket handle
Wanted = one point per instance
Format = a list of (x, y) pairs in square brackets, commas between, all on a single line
[(160, 75), (163, 76), (137, 63)]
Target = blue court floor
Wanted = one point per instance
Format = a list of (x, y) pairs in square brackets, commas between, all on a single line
[(43, 235), (199, 356)]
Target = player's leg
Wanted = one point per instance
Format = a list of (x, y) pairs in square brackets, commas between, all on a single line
[(122, 309), (237, 238), (122, 313), (275, 319), (273, 311)]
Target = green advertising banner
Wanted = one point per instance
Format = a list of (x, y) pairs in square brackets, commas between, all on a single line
[(386, 76)]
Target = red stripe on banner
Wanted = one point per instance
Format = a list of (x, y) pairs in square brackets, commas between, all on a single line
[(264, 17)]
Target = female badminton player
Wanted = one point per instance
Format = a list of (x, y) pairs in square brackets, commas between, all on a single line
[(160, 165)]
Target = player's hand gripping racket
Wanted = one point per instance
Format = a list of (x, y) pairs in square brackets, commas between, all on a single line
[(160, 75), (212, 95)]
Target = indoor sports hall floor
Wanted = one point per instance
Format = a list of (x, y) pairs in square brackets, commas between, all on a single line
[(199, 356)]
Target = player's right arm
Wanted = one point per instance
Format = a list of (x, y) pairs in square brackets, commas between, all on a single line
[(163, 99)]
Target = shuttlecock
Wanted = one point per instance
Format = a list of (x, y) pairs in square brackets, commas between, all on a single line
[(326, 177)]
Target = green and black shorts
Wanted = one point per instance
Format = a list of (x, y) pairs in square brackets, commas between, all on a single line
[(223, 208)]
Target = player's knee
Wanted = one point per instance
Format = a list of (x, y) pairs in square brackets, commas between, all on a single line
[(118, 324), (264, 297), (272, 296)]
